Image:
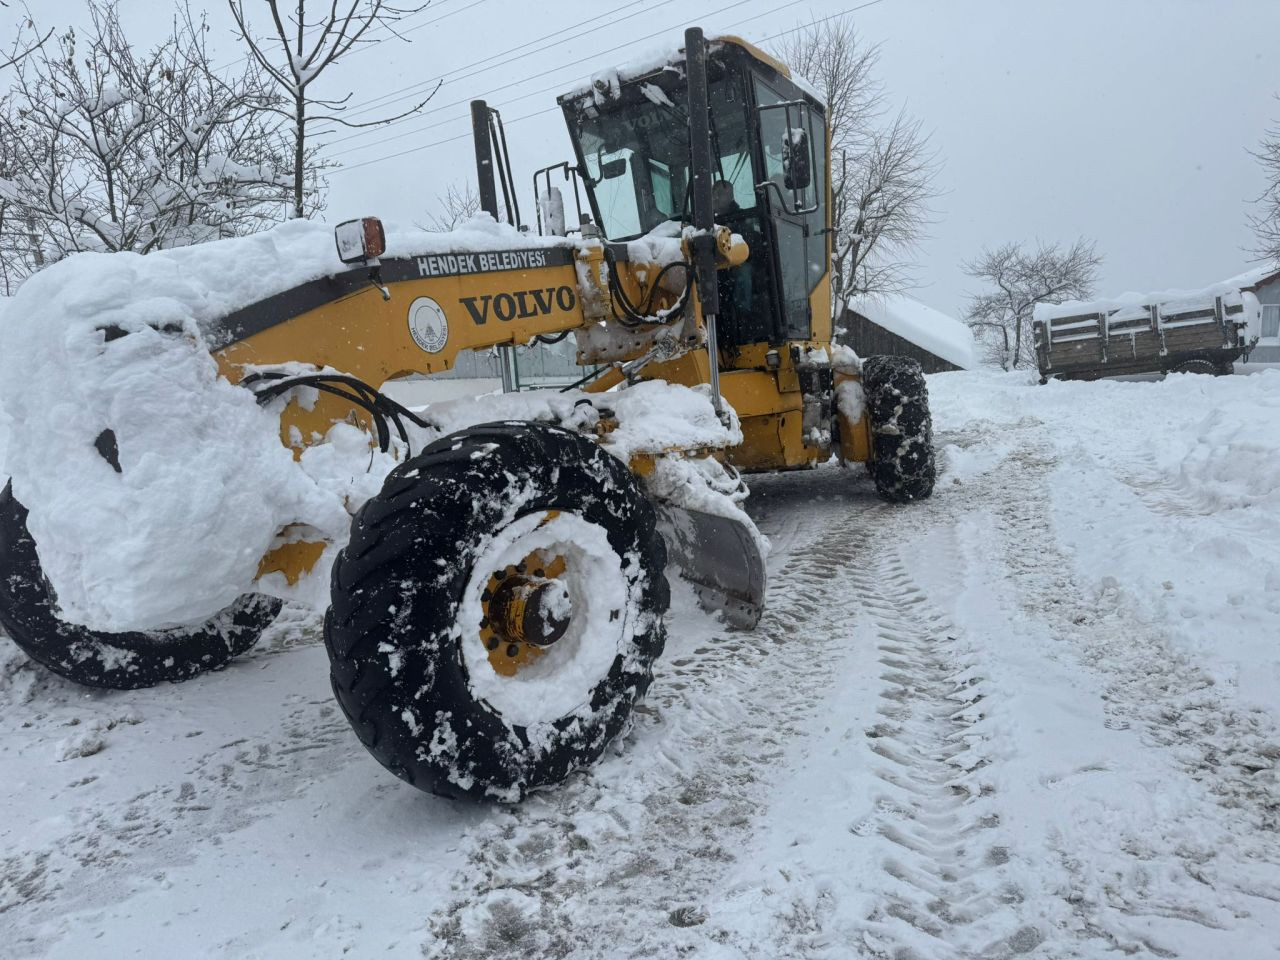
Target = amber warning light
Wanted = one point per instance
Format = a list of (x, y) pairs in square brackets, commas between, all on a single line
[(360, 240)]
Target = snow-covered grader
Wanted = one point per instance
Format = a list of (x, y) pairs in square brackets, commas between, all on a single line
[(192, 431)]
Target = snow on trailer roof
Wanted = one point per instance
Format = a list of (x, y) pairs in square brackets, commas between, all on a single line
[(941, 335), (1229, 289)]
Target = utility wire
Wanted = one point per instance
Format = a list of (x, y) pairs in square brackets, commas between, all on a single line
[(318, 27), (556, 69), (411, 90), (553, 109)]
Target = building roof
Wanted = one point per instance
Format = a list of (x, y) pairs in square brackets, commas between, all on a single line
[(927, 328), (1251, 280)]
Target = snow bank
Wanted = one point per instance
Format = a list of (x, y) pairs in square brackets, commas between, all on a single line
[(924, 326), (1176, 516)]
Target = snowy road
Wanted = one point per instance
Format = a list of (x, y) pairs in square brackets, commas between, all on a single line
[(1037, 716)]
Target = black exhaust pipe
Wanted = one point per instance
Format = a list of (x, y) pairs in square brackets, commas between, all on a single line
[(484, 157)]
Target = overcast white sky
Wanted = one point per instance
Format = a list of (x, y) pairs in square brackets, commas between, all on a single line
[(1125, 120)]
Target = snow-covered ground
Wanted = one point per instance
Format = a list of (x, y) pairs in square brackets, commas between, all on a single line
[(1034, 716)]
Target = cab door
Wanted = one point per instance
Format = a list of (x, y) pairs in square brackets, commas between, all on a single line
[(796, 215)]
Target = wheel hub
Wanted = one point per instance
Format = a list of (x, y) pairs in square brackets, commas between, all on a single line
[(527, 608), (531, 609)]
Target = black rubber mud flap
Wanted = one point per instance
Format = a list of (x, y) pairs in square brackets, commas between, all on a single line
[(122, 661), (396, 628)]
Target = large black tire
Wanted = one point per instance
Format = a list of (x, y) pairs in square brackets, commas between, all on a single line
[(120, 661), (394, 632), (1205, 367), (902, 459)]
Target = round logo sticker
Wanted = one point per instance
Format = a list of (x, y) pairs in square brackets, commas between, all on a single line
[(427, 325)]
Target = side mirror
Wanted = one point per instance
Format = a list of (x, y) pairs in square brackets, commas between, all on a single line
[(797, 159), (360, 240)]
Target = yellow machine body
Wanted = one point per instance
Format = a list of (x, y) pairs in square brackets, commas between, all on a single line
[(424, 311)]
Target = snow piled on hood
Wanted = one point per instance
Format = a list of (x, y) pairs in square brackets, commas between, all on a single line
[(204, 482)]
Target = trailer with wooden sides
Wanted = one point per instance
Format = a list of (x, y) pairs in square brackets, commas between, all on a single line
[(1195, 333)]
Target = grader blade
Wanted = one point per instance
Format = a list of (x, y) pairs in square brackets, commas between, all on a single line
[(721, 558)]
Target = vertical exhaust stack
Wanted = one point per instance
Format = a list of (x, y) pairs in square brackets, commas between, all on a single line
[(483, 138), (703, 244), (484, 158)]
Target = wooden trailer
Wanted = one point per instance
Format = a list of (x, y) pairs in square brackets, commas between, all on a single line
[(1199, 332)]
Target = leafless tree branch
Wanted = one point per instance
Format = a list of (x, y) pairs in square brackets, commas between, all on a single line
[(883, 172), (457, 205), (301, 61), (104, 147), (1266, 221), (1022, 277)]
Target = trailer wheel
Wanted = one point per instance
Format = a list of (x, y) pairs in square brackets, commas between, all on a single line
[(121, 661), (1207, 367), (497, 611), (902, 459)]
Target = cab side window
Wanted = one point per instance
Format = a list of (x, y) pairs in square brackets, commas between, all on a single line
[(801, 238)]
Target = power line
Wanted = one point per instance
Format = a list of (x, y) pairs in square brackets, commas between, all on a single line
[(365, 134), (393, 95), (316, 28), (553, 109), (536, 76)]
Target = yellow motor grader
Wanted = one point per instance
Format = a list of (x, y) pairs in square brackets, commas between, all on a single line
[(499, 605)]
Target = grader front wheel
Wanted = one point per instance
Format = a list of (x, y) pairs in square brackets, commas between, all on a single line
[(497, 611)]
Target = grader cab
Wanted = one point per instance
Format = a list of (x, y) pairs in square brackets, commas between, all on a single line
[(496, 609)]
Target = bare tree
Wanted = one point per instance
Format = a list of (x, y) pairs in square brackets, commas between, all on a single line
[(457, 204), (112, 149), (1266, 222), (308, 47), (1021, 278), (23, 46), (882, 174), (106, 148)]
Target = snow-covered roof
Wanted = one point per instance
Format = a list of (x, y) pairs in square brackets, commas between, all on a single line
[(655, 59), (924, 326)]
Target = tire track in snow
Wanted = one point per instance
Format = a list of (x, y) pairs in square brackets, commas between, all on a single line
[(621, 860), (1168, 496), (1213, 872), (946, 894), (121, 834)]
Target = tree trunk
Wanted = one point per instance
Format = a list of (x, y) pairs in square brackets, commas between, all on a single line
[(299, 150)]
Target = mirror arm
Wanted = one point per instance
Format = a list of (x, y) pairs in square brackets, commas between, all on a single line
[(764, 188)]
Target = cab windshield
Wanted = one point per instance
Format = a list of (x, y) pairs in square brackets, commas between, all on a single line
[(636, 153)]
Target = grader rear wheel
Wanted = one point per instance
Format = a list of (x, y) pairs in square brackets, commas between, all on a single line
[(497, 611), (95, 658), (902, 459)]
